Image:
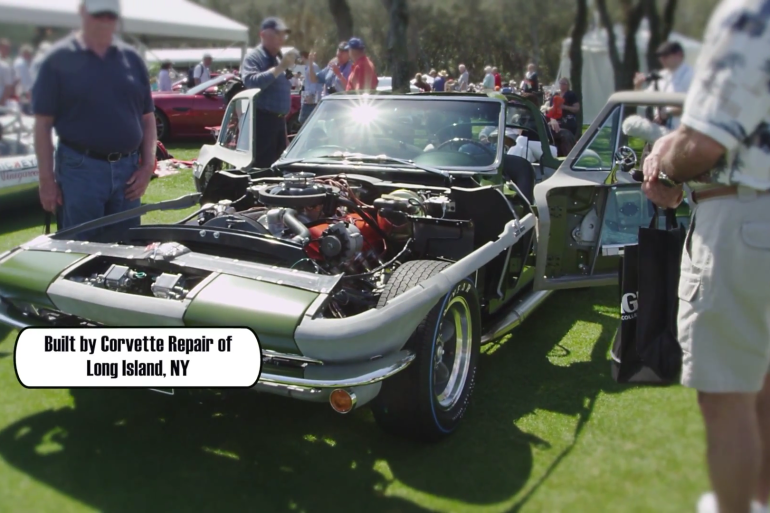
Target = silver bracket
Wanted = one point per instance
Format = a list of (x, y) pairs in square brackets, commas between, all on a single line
[(162, 391)]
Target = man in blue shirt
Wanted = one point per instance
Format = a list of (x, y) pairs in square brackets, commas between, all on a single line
[(311, 91), (335, 75), (265, 68), (95, 91)]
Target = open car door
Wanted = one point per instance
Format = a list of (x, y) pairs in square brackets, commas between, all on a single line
[(592, 207)]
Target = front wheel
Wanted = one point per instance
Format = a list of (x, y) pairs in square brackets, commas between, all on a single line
[(429, 398)]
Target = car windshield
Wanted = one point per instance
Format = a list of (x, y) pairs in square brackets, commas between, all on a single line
[(433, 131), (216, 81)]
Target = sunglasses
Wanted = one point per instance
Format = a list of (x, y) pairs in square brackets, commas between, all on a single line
[(105, 15)]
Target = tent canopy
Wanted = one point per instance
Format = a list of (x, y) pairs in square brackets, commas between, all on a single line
[(164, 18), (598, 75)]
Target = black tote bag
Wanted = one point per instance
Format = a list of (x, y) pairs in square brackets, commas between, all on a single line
[(626, 364), (660, 257)]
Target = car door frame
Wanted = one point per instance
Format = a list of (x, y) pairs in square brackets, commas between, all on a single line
[(567, 178)]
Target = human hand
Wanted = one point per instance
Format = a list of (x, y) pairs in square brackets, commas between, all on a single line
[(335, 68), (663, 195), (137, 184), (651, 166), (639, 80), (311, 57), (288, 60), (50, 195)]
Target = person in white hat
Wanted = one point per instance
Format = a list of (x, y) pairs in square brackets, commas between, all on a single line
[(94, 90)]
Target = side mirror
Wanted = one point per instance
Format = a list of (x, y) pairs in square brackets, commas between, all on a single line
[(626, 159)]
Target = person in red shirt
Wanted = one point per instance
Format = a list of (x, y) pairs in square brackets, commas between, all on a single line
[(363, 76), (498, 79)]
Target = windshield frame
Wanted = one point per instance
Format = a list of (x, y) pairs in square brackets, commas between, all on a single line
[(219, 79), (491, 169)]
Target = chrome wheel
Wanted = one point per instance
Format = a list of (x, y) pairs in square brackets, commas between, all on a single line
[(452, 353)]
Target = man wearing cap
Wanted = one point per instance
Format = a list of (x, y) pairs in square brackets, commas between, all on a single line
[(265, 68), (335, 75), (94, 90), (202, 71), (363, 75), (676, 77)]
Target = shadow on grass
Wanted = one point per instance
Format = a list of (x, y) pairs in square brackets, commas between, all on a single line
[(122, 450), (24, 217)]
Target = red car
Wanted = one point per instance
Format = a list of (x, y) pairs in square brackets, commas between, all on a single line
[(192, 113)]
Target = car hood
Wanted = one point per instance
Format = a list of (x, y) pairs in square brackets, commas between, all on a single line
[(270, 301)]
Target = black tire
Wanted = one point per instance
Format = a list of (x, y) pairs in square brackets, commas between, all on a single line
[(162, 125), (408, 404)]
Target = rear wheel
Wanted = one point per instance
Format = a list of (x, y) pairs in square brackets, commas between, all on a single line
[(161, 125), (428, 399)]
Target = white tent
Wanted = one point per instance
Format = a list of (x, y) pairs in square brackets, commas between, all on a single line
[(598, 76), (159, 18)]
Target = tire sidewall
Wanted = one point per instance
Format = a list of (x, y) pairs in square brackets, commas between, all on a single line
[(161, 119), (446, 421)]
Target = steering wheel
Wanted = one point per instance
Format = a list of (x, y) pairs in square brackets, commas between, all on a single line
[(463, 140)]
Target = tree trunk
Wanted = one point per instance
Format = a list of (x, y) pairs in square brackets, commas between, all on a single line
[(576, 57), (398, 47), (631, 52), (624, 69), (656, 37), (669, 14), (343, 18)]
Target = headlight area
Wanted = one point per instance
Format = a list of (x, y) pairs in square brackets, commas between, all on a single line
[(37, 315)]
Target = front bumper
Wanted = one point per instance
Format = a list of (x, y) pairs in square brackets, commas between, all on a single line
[(317, 381)]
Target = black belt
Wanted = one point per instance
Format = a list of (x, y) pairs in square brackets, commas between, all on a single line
[(271, 113), (109, 157)]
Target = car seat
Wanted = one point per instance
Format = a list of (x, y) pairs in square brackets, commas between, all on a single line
[(520, 171)]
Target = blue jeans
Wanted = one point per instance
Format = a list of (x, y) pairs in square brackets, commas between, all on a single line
[(92, 189), (305, 111)]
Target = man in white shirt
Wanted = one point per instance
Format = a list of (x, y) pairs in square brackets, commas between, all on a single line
[(7, 78), (675, 77), (463, 81), (23, 68), (721, 150), (202, 73)]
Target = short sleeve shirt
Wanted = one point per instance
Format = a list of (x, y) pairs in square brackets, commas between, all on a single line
[(729, 99), (362, 75), (95, 102)]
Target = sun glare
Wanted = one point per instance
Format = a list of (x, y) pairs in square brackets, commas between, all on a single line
[(363, 114)]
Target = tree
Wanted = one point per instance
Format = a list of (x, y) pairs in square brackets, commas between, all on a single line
[(659, 31), (343, 17), (576, 56), (625, 68), (398, 48)]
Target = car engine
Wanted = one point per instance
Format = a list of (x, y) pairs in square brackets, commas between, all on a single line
[(343, 224)]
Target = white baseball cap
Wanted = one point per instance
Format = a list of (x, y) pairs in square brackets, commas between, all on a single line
[(97, 6)]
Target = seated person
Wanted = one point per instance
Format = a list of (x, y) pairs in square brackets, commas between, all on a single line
[(555, 112)]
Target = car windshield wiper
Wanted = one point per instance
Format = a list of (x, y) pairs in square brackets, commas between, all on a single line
[(362, 157)]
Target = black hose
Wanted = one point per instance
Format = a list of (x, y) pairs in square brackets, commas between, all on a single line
[(295, 224)]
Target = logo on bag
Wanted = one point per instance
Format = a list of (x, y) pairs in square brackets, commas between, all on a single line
[(629, 304)]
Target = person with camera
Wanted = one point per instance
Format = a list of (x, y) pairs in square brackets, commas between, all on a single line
[(721, 150), (675, 77), (334, 77), (265, 68)]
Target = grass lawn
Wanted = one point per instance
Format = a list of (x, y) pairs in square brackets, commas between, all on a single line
[(548, 431)]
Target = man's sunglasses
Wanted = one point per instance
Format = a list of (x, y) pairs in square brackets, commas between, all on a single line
[(106, 15)]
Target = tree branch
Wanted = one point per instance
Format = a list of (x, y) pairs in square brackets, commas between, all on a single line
[(612, 42)]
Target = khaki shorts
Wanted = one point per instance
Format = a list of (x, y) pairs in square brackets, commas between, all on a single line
[(724, 295)]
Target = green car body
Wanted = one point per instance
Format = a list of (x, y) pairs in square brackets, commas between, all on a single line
[(521, 243)]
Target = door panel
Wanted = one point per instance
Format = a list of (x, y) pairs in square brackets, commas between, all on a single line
[(591, 208)]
